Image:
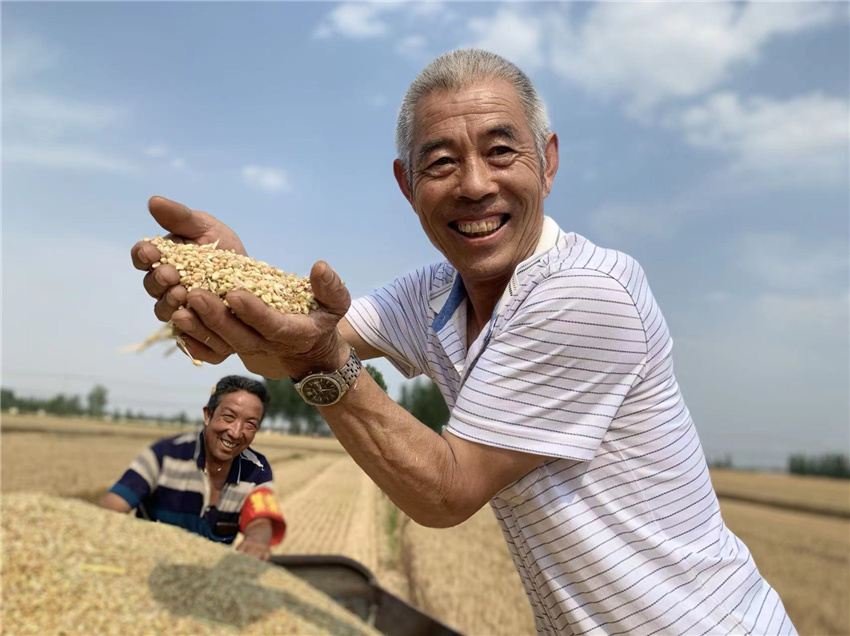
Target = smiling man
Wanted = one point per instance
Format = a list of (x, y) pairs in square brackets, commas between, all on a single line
[(552, 355), (210, 483)]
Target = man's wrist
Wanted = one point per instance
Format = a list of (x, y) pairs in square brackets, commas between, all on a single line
[(259, 531), (334, 360)]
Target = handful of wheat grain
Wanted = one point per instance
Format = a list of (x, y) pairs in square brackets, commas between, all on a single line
[(220, 271)]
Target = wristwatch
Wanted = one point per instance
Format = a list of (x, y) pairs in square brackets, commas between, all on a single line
[(324, 389)]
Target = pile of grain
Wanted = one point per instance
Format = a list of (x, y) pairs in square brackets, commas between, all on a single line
[(220, 271), (72, 568)]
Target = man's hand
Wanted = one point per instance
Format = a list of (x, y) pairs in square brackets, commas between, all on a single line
[(270, 343), (184, 226), (258, 537), (255, 548)]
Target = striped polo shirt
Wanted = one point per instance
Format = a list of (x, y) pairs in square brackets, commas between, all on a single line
[(167, 483), (619, 530)]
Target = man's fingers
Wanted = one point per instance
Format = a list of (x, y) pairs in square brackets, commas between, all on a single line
[(294, 331), (329, 289), (202, 352), (177, 218), (159, 280), (218, 320), (144, 254), (188, 322), (170, 301)]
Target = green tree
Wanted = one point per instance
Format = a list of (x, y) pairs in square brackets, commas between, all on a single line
[(423, 400), (97, 399), (285, 403), (828, 465), (7, 399)]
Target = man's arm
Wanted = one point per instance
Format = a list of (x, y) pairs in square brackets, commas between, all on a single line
[(437, 480), (111, 501)]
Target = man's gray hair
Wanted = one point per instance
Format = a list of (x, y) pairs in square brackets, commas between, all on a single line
[(457, 69)]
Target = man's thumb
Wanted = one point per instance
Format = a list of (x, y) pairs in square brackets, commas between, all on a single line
[(177, 218), (329, 290)]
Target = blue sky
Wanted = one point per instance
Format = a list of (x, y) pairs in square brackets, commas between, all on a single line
[(709, 141)]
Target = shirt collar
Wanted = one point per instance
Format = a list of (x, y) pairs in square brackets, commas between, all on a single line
[(446, 299)]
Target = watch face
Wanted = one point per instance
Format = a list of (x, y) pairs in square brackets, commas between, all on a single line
[(320, 390)]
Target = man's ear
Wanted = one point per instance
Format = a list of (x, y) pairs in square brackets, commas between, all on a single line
[(552, 159), (401, 178), (206, 416)]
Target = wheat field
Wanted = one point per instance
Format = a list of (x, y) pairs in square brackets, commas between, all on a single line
[(332, 507)]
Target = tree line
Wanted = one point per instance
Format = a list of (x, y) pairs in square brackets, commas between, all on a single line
[(288, 412), (827, 465), (60, 404)]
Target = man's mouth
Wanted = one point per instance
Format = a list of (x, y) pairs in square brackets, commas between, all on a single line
[(477, 229), (226, 444)]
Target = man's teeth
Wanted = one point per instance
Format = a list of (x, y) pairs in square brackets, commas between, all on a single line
[(477, 228), (228, 444)]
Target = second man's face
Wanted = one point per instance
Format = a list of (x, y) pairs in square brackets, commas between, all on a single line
[(478, 188), (233, 424)]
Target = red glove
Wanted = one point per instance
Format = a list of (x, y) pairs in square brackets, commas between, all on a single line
[(262, 503)]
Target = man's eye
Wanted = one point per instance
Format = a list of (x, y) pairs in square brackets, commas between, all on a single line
[(442, 161), (500, 150)]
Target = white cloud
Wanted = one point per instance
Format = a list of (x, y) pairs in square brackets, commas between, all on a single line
[(792, 143), (45, 130), (788, 313), (66, 157), (47, 116), (412, 46), (652, 52), (788, 263), (616, 222), (178, 163), (429, 9), (266, 178), (355, 20), (25, 55), (512, 34), (156, 151)]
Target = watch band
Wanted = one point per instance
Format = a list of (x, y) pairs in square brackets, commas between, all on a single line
[(350, 371)]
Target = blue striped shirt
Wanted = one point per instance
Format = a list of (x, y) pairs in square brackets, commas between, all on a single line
[(167, 483), (618, 531)]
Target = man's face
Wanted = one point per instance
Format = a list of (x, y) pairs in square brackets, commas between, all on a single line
[(232, 426), (477, 184)]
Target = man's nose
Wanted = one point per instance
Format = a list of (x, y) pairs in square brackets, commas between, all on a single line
[(235, 429), (476, 180)]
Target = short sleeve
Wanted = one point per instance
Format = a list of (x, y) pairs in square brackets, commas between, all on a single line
[(551, 381), (394, 320), (140, 478)]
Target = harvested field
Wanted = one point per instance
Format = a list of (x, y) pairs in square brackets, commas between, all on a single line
[(91, 571), (815, 494), (84, 465), (81, 458), (332, 507), (466, 577), (337, 513), (805, 557)]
